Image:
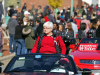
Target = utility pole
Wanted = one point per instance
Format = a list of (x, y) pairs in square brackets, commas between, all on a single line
[(71, 8)]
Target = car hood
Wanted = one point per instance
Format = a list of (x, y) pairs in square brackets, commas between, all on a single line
[(24, 73), (88, 55)]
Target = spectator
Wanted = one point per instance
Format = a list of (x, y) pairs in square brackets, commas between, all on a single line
[(48, 46), (25, 19), (55, 28), (69, 33), (0, 38), (92, 32), (51, 18), (78, 21), (87, 23), (46, 10), (24, 7), (33, 9), (29, 39), (19, 37), (34, 17), (75, 29), (35, 27), (31, 23), (81, 10), (82, 33), (61, 30), (39, 10), (12, 23), (98, 29), (46, 18), (11, 11), (55, 12), (62, 18), (39, 30), (1, 10)]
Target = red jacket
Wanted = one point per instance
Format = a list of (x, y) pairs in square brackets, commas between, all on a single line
[(78, 22), (46, 19), (48, 46)]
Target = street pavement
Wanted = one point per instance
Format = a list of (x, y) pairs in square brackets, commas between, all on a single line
[(4, 60)]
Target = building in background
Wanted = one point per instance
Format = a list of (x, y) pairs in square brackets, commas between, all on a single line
[(94, 2), (43, 3)]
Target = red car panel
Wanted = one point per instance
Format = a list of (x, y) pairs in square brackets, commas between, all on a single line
[(90, 52)]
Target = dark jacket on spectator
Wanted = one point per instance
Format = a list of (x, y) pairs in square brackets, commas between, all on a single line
[(11, 11), (69, 34), (18, 32), (12, 23), (51, 18), (98, 32), (39, 30), (82, 34)]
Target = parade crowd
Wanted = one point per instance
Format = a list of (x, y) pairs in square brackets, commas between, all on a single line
[(42, 30)]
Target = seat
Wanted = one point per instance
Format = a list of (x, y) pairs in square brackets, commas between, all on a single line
[(6, 36)]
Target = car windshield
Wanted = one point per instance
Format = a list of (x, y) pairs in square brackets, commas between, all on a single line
[(41, 63), (91, 41)]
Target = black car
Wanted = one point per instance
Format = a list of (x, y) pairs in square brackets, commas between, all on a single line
[(43, 64)]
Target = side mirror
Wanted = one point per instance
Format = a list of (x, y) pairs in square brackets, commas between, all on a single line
[(0, 69), (86, 71)]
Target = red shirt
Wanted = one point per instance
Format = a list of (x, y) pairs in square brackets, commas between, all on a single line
[(46, 19), (48, 46)]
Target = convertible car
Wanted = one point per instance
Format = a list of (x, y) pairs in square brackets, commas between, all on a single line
[(87, 54), (43, 64)]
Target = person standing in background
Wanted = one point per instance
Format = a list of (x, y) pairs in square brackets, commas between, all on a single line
[(26, 18), (24, 7), (20, 38), (29, 37), (11, 11), (12, 23), (0, 39), (1, 10)]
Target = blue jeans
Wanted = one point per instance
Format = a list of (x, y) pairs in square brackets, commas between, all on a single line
[(20, 46), (12, 42), (0, 16)]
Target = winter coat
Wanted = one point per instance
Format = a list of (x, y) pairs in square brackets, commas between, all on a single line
[(82, 34), (28, 31), (91, 33), (46, 19), (48, 46), (69, 34), (98, 32), (12, 23)]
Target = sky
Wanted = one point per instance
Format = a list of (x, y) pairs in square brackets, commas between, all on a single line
[(92, 1)]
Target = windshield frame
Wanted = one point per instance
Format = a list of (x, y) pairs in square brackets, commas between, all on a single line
[(16, 57)]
